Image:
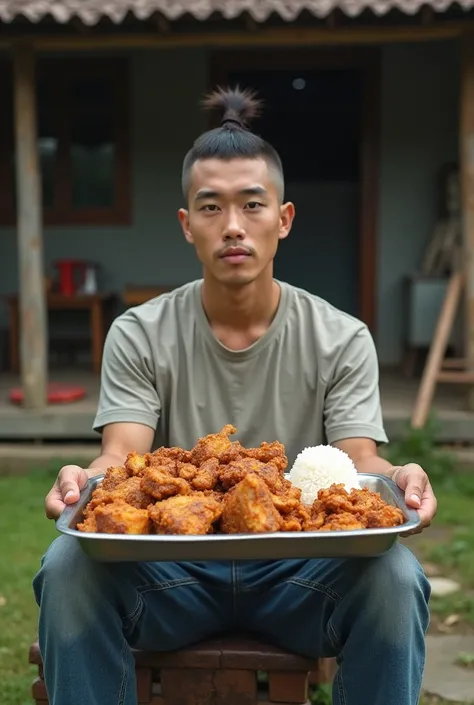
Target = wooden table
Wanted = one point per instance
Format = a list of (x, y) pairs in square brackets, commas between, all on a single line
[(94, 303)]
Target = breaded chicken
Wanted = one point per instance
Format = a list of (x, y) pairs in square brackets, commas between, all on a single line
[(222, 487), (161, 485), (136, 463), (383, 518), (185, 514), (131, 492), (250, 509), (234, 472), (270, 453), (212, 446), (114, 477), (207, 476), (296, 519), (187, 471), (120, 518), (89, 524), (175, 454), (341, 522)]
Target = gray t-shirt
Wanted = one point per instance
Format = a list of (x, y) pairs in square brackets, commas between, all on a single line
[(312, 378)]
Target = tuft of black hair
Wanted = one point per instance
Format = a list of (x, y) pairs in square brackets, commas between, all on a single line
[(233, 105)]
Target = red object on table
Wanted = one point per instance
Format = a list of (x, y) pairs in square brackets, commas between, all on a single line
[(71, 275), (56, 394)]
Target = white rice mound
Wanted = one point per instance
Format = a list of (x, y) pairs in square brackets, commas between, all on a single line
[(319, 467)]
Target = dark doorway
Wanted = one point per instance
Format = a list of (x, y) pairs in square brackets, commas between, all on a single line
[(312, 119), (314, 115)]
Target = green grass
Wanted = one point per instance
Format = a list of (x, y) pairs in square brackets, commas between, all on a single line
[(26, 533), (453, 551)]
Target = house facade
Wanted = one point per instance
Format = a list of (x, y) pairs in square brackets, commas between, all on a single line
[(365, 112)]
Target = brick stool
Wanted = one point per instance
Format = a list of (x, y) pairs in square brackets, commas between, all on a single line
[(220, 671)]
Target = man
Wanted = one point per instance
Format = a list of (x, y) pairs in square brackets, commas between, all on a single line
[(280, 364)]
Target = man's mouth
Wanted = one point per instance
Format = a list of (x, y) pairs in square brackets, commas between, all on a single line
[(235, 254)]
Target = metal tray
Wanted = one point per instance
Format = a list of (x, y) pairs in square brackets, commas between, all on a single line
[(235, 547)]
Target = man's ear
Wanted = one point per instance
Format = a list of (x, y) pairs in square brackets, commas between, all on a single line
[(183, 217), (287, 214)]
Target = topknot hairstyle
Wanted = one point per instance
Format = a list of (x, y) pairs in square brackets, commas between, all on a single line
[(232, 139)]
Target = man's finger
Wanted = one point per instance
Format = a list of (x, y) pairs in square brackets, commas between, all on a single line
[(54, 508), (416, 480), (71, 480), (54, 504), (69, 491)]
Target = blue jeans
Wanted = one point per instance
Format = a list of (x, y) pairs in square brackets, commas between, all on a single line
[(370, 613)]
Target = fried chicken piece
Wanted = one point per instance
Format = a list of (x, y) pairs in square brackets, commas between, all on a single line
[(336, 499), (131, 492), (215, 494), (89, 524), (114, 477), (290, 490), (341, 522), (235, 472), (383, 518), (317, 516), (284, 503), (296, 519), (235, 452), (174, 453), (277, 484), (162, 462), (315, 522), (121, 518), (364, 500), (207, 476), (99, 496), (185, 514), (136, 463), (249, 508), (269, 453), (212, 446), (160, 484), (187, 471)]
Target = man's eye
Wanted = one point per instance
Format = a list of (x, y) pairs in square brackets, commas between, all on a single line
[(254, 205), (211, 207)]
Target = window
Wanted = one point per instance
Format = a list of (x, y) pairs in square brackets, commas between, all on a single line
[(83, 132)]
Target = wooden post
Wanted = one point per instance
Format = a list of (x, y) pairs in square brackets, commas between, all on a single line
[(437, 351), (29, 233), (467, 193)]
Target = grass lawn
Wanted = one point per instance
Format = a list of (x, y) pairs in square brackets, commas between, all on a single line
[(26, 534)]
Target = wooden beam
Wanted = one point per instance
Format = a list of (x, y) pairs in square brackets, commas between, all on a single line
[(29, 232), (467, 193), (437, 351), (266, 37)]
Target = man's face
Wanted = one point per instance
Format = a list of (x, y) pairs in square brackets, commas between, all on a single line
[(234, 218)]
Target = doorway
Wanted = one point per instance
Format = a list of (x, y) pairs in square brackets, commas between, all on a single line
[(315, 108)]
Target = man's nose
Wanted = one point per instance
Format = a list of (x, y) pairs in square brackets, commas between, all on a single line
[(233, 228)]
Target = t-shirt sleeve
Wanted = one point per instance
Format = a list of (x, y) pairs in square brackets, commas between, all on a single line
[(128, 386), (352, 406)]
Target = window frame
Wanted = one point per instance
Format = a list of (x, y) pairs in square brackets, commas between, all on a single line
[(57, 73)]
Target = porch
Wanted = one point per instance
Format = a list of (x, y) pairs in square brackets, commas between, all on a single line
[(85, 193), (73, 422)]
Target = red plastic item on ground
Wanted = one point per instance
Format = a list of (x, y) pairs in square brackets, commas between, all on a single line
[(56, 394)]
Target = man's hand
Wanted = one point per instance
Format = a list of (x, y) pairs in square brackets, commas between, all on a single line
[(419, 495), (70, 481)]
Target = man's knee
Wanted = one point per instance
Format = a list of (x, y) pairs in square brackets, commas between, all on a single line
[(65, 568), (397, 592), (70, 589), (398, 572)]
